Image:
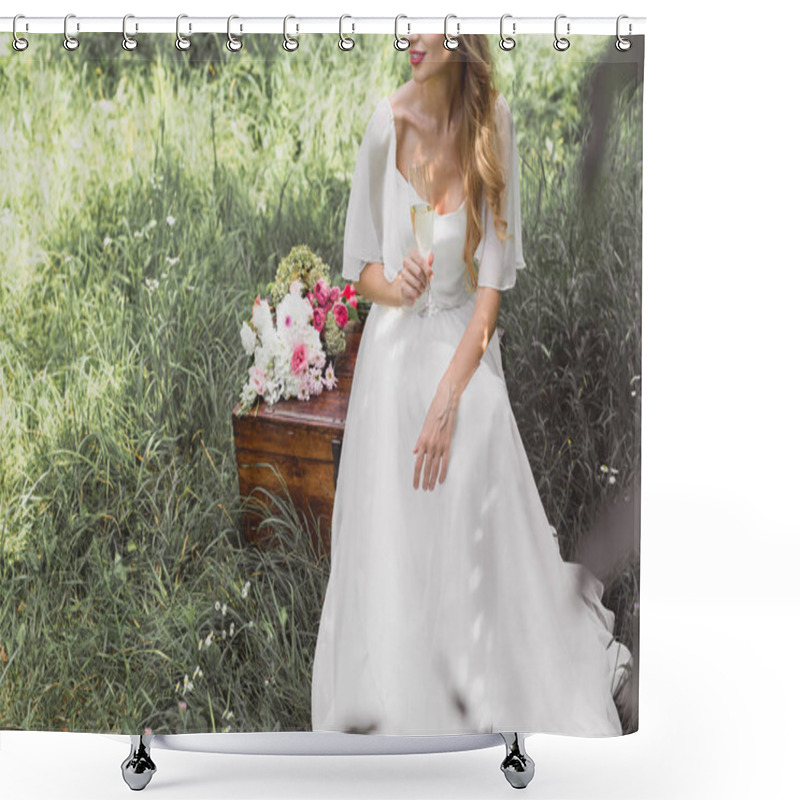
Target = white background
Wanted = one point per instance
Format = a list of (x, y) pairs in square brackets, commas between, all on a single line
[(720, 599)]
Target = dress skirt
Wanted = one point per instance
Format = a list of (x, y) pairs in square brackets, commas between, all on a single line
[(451, 611)]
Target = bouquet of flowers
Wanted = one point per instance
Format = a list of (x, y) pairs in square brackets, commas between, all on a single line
[(293, 353)]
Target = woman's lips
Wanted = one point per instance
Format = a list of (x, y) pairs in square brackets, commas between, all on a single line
[(415, 56)]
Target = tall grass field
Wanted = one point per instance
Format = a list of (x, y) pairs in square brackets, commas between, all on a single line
[(146, 198)]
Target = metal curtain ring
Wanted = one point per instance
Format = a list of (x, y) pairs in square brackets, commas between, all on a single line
[(506, 42), (70, 42), (450, 42), (289, 44), (345, 42), (128, 43), (400, 42), (233, 44), (622, 44), (560, 42), (18, 43), (181, 42)]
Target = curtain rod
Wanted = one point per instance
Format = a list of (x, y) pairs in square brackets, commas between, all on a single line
[(630, 26)]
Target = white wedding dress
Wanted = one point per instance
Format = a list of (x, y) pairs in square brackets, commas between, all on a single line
[(447, 611)]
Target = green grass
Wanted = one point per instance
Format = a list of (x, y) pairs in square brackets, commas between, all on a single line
[(119, 506)]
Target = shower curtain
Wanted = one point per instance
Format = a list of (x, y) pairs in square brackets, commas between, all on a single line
[(193, 241)]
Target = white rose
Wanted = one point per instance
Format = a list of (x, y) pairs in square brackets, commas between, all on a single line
[(248, 336)]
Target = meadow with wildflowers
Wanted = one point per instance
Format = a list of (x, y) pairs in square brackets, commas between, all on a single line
[(145, 199)]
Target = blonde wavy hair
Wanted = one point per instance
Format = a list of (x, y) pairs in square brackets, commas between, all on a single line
[(481, 147)]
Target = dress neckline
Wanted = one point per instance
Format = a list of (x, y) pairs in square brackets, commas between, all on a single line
[(400, 174)]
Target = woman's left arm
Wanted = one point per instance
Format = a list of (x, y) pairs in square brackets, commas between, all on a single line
[(433, 445)]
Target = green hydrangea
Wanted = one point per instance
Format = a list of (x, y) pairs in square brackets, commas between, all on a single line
[(300, 263), (334, 337)]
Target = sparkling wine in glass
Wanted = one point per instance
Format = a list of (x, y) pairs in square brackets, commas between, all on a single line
[(422, 214)]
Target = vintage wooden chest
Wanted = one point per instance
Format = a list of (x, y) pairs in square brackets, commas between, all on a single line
[(301, 439)]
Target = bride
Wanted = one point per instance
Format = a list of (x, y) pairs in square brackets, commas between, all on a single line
[(448, 607)]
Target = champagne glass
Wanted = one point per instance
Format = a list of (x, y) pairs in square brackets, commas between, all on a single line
[(422, 215)]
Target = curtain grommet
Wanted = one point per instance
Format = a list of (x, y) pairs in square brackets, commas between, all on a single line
[(450, 42), (233, 44), (181, 42), (346, 42), (622, 44), (560, 43), (290, 44), (507, 42), (128, 42), (70, 42), (19, 44), (400, 42)]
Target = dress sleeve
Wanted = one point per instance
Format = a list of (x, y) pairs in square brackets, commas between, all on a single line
[(363, 229), (499, 260)]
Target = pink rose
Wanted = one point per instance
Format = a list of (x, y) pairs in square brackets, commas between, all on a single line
[(335, 293), (319, 318), (259, 379), (340, 314), (299, 358), (321, 292)]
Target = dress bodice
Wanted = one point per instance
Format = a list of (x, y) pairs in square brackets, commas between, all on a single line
[(448, 288), (378, 222)]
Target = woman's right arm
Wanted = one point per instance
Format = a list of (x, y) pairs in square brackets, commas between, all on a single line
[(373, 285), (406, 287)]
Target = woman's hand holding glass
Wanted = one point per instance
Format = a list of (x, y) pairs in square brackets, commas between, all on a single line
[(414, 277)]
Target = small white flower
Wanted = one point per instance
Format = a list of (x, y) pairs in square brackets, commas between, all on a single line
[(246, 589), (249, 340), (231, 630), (209, 638), (330, 377), (224, 609), (137, 234), (151, 284), (163, 275), (612, 479), (603, 468), (217, 606), (262, 319), (170, 220), (248, 396), (107, 241), (173, 261)]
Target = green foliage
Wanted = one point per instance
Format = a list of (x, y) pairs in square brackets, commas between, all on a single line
[(302, 264), (333, 335), (147, 197)]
